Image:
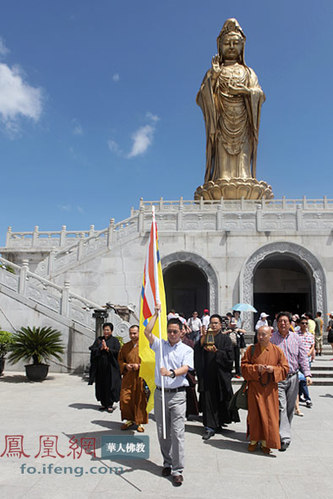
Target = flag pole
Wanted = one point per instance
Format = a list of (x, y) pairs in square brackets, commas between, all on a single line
[(159, 322)]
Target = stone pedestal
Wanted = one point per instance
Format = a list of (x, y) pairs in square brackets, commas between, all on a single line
[(235, 188)]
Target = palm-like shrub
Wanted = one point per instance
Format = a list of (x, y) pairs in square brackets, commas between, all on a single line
[(40, 344), (6, 339)]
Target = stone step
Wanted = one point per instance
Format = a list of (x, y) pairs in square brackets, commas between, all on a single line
[(322, 382), (321, 368), (322, 373)]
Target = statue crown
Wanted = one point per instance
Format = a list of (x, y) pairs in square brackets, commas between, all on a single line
[(231, 25)]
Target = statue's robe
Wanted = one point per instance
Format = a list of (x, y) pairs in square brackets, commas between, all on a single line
[(133, 399), (105, 371), (263, 397), (232, 122), (214, 377)]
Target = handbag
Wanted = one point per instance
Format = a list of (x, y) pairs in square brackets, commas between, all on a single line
[(241, 397)]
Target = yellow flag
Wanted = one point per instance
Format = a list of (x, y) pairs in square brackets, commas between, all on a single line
[(152, 293)]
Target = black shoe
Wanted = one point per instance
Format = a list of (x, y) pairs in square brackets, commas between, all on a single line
[(308, 403), (177, 480), (284, 446), (208, 434), (166, 471)]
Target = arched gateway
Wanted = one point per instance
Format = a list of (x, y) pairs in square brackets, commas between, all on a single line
[(190, 283), (283, 275)]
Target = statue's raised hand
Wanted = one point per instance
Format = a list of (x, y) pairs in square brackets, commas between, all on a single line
[(216, 63)]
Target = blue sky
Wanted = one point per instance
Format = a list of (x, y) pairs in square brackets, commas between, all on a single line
[(97, 103)]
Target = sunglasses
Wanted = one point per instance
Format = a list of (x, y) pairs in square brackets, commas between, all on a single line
[(304, 323)]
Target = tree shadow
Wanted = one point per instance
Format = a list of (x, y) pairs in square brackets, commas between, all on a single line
[(15, 378), (21, 378)]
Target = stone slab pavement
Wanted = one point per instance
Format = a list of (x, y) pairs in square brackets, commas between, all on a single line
[(64, 406)]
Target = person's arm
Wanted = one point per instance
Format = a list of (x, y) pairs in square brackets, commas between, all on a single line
[(150, 326), (178, 372), (303, 362), (280, 371), (121, 361), (115, 347), (250, 371), (188, 363)]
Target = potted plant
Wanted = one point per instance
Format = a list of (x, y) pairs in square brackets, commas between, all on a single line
[(38, 344), (6, 340)]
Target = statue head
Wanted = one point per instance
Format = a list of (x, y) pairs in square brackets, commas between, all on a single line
[(231, 41)]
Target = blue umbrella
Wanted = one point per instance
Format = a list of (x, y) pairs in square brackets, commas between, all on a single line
[(244, 307)]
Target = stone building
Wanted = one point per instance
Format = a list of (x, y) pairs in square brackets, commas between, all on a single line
[(274, 254)]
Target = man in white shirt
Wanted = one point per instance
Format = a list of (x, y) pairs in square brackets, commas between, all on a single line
[(195, 324), (205, 319), (177, 359)]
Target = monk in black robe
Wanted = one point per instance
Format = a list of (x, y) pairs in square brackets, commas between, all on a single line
[(104, 368), (213, 363), (192, 406)]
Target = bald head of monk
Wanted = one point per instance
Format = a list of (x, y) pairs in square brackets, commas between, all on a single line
[(264, 334)]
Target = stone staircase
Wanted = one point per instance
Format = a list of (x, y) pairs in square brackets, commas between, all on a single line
[(322, 368), (55, 302)]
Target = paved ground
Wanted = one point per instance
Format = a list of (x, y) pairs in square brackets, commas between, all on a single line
[(64, 406)]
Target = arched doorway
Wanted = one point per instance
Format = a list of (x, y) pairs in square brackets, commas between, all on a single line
[(186, 289), (282, 282), (308, 264), (190, 283)]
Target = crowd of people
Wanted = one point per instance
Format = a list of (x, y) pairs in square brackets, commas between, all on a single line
[(197, 363)]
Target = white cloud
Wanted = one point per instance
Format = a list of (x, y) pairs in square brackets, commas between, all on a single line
[(17, 98), (113, 146), (77, 128), (80, 209), (3, 49), (65, 207), (142, 139), (116, 77), (153, 117)]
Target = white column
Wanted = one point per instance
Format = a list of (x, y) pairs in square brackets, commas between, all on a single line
[(23, 277), (65, 299)]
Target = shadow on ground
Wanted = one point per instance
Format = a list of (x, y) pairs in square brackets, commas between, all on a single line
[(21, 378), (93, 407)]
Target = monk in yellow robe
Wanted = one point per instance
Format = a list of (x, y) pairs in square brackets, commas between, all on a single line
[(133, 400), (263, 367)]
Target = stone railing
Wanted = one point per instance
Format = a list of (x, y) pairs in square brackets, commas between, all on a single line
[(287, 215), (58, 299), (46, 239), (236, 205), (100, 242), (242, 215)]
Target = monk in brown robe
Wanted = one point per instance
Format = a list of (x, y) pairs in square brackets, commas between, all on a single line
[(133, 400), (263, 367)]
